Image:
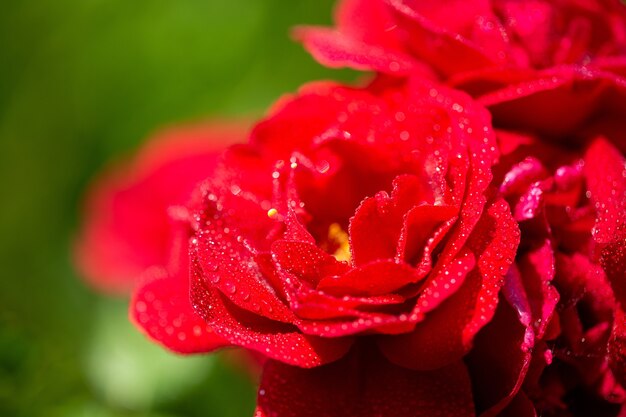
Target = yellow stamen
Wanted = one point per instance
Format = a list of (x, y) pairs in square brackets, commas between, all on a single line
[(337, 235), (271, 213)]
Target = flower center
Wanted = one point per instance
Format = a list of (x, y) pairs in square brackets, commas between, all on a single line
[(339, 237)]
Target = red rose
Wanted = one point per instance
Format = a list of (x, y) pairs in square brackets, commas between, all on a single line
[(356, 234), (552, 75)]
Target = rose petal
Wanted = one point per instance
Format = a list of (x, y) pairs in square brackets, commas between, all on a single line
[(306, 261), (377, 278), (499, 360), (365, 39), (617, 347), (605, 170), (375, 229), (424, 228), (537, 269), (517, 180), (161, 307), (315, 305), (430, 34), (447, 331), (363, 386), (273, 339), (570, 95), (396, 226), (336, 50), (369, 21), (227, 265)]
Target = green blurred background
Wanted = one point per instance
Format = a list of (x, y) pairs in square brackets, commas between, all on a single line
[(82, 81)]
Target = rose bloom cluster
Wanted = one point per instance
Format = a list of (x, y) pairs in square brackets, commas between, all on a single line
[(447, 239)]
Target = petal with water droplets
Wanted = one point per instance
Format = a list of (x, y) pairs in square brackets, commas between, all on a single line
[(162, 308), (364, 385)]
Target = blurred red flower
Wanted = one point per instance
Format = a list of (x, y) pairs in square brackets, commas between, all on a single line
[(133, 232)]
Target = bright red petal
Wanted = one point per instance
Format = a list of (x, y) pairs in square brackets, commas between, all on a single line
[(397, 225), (161, 305), (430, 34), (162, 308), (306, 261), (227, 265), (280, 341), (447, 332), (376, 278), (335, 49)]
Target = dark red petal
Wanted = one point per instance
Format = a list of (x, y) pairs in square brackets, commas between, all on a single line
[(273, 339), (531, 203), (569, 94), (521, 406), (447, 332), (424, 228), (161, 307), (376, 278), (536, 268), (499, 360), (126, 227), (605, 170), (617, 347), (363, 387), (573, 275), (613, 261)]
